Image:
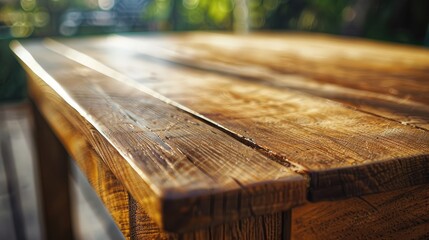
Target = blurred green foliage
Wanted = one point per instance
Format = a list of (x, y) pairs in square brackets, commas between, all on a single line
[(404, 21), (12, 81), (393, 20)]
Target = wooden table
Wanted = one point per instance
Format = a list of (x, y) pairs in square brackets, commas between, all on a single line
[(259, 136)]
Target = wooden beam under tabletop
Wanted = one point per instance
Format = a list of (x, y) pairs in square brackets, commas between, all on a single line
[(264, 227), (399, 214), (108, 188)]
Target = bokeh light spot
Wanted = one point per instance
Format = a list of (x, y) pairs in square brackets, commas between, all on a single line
[(190, 4), (106, 4), (21, 29), (28, 5)]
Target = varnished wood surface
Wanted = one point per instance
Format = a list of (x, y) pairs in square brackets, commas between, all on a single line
[(346, 151), (209, 127), (384, 79), (184, 172), (130, 216), (400, 214)]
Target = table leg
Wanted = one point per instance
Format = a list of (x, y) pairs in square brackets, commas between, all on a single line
[(54, 181)]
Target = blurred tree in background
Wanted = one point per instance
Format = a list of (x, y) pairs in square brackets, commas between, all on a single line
[(404, 21)]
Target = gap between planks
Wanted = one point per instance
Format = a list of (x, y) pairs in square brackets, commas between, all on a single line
[(91, 62), (88, 61), (38, 70), (96, 65), (310, 86)]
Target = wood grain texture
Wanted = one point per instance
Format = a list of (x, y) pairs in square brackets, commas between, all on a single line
[(384, 79), (133, 220), (346, 152), (135, 223), (204, 141), (108, 188), (185, 173), (400, 214), (263, 227)]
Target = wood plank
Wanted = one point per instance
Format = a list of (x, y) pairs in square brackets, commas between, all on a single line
[(134, 221), (400, 214), (141, 226), (263, 227), (346, 152), (185, 173), (108, 188), (389, 80), (91, 219)]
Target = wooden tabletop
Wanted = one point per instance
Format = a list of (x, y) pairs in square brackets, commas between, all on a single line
[(207, 127)]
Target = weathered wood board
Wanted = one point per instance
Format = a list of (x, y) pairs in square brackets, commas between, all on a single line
[(209, 129), (384, 79), (172, 163), (346, 151), (399, 214)]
